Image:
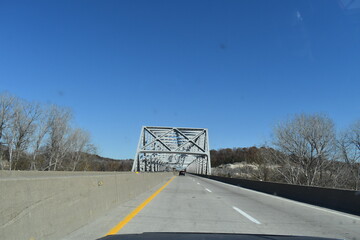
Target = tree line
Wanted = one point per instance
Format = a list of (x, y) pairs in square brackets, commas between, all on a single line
[(306, 150), (40, 137)]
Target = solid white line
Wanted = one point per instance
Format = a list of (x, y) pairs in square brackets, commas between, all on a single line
[(198, 183), (207, 189), (246, 215), (292, 201)]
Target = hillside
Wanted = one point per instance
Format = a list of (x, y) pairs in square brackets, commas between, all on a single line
[(268, 164), (251, 171), (99, 163), (71, 162)]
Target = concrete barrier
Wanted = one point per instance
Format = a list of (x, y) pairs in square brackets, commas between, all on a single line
[(50, 205), (337, 199)]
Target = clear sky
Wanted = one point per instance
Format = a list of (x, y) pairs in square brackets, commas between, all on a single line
[(234, 67)]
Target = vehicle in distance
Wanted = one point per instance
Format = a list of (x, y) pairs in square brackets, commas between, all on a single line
[(182, 173)]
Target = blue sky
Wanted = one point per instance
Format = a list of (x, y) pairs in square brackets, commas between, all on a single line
[(234, 67)]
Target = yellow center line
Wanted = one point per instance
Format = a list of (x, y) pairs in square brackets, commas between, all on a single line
[(127, 219)]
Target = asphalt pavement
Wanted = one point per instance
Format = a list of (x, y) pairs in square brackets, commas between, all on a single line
[(194, 204)]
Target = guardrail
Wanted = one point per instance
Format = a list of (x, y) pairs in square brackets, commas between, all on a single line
[(337, 199), (50, 205)]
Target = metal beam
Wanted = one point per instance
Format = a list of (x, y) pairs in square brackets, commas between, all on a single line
[(162, 148), (157, 138), (173, 152), (190, 140)]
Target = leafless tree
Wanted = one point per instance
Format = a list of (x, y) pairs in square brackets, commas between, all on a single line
[(6, 112), (308, 141), (58, 144), (41, 130), (40, 138), (7, 137), (25, 116), (6, 108), (268, 165), (349, 148), (80, 144), (9, 140), (20, 129)]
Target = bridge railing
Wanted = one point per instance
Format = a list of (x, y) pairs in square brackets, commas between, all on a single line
[(50, 205)]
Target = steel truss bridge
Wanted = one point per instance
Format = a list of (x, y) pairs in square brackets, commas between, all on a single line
[(168, 148)]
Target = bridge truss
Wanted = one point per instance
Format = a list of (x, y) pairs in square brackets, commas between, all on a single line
[(168, 148)]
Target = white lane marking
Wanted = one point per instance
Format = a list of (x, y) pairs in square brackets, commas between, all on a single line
[(246, 215), (207, 189), (291, 201), (198, 183)]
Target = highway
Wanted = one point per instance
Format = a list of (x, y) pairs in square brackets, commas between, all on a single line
[(194, 204)]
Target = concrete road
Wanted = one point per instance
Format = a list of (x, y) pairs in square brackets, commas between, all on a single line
[(194, 204)]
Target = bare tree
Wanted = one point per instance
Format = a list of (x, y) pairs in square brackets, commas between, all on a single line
[(6, 108), (20, 129), (33, 137), (41, 130), (308, 141), (7, 136), (80, 145), (25, 116), (349, 148), (58, 144), (9, 140), (6, 105)]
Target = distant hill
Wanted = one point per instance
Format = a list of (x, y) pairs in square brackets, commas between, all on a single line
[(85, 162), (99, 163)]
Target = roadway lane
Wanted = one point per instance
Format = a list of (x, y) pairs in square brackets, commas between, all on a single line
[(194, 204)]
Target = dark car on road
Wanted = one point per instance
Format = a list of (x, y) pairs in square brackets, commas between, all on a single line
[(182, 173)]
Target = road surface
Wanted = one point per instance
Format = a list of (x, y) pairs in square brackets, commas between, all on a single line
[(194, 204)]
